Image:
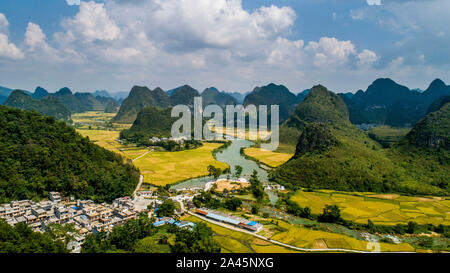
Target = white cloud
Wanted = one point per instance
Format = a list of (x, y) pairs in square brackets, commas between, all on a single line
[(330, 51), (4, 24), (92, 23), (35, 38), (367, 57), (8, 49)]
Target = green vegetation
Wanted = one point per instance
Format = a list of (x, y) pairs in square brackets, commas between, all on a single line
[(333, 154), (386, 102), (39, 154), (48, 106), (167, 208), (80, 102), (387, 136), (184, 95), (273, 94), (22, 239), (139, 98), (140, 236)]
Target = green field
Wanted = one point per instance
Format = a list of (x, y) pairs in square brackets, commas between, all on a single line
[(386, 209), (269, 158), (162, 168), (387, 135)]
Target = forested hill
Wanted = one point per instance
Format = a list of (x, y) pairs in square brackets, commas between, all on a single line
[(47, 106), (331, 153), (39, 154)]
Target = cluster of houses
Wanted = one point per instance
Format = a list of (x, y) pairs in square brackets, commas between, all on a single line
[(86, 216), (178, 140)]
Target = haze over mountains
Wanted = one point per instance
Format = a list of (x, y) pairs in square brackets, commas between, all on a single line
[(60, 104)]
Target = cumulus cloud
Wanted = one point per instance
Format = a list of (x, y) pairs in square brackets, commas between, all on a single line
[(92, 23), (330, 51), (367, 57), (4, 24), (173, 42), (8, 49)]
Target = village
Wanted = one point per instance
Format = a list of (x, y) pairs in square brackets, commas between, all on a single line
[(88, 217)]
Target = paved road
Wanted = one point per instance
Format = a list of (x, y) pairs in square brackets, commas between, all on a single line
[(280, 243)]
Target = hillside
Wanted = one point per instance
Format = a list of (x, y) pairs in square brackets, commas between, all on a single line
[(109, 104), (437, 104), (39, 154), (273, 94), (184, 95), (433, 131), (39, 93), (320, 105), (331, 153), (213, 96), (152, 122), (386, 102), (48, 106), (65, 96), (139, 98)]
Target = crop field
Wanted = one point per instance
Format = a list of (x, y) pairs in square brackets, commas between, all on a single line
[(315, 239), (163, 168), (107, 140), (238, 242), (386, 209), (389, 135), (269, 158), (96, 120)]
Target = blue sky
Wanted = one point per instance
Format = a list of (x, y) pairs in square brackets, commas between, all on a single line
[(233, 45)]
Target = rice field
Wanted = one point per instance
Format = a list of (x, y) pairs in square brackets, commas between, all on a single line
[(269, 158), (315, 239), (239, 242), (96, 120), (385, 209), (163, 168), (107, 140)]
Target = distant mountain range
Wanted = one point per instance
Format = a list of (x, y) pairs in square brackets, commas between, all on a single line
[(386, 102), (331, 153), (60, 104), (48, 106)]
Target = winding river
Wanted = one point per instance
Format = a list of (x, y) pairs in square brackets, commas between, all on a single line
[(233, 157)]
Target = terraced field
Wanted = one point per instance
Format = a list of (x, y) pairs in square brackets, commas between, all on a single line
[(269, 158), (386, 209), (162, 168), (315, 239)]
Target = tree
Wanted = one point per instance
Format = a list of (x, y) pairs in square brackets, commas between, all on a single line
[(167, 208), (198, 240), (331, 214), (238, 171), (255, 209), (213, 171), (256, 186), (233, 203)]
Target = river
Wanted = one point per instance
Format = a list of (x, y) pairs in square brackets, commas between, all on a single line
[(233, 157)]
